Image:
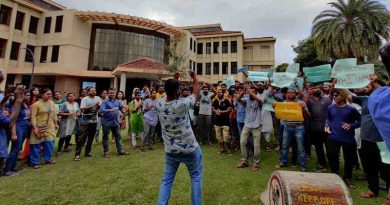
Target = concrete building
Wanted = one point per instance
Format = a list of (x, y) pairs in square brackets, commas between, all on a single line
[(73, 49)]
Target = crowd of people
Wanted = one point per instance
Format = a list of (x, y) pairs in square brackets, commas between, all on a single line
[(235, 117)]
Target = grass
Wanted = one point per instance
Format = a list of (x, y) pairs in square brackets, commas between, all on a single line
[(135, 179)]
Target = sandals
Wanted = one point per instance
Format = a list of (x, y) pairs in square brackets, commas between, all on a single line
[(77, 158), (367, 194), (349, 184), (51, 162), (37, 166)]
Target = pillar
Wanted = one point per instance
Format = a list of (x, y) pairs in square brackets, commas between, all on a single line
[(122, 86)]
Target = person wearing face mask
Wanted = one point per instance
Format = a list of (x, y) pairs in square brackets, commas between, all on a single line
[(318, 107)]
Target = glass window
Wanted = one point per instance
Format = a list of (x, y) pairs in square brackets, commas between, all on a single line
[(15, 51), (190, 65), (5, 14), (199, 69), (200, 48), (208, 68), (233, 67), (265, 47), (190, 43), (28, 57), (225, 47), (19, 20), (43, 57), (33, 27), (3, 45), (225, 68), (47, 27), (216, 68), (216, 47), (55, 53), (233, 46), (208, 48)]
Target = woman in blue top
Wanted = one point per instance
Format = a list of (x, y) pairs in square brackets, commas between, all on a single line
[(22, 130)]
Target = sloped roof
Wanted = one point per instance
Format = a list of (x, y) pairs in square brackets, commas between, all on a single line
[(142, 65)]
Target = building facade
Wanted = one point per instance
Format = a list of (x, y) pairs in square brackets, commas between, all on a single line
[(72, 49)]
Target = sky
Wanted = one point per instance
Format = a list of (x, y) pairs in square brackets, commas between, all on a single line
[(287, 20)]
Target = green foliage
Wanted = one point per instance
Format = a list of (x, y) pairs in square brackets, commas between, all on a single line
[(307, 54), (380, 71), (352, 28), (282, 67), (177, 61)]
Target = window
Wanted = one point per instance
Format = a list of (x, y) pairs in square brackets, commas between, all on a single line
[(59, 20), (265, 47), (225, 66), (43, 57), (216, 68), (19, 20), (33, 25), (200, 48), (5, 14), (194, 46), (208, 68), (233, 46), (190, 65), (193, 65), (215, 47), (15, 51), (208, 48), (3, 45), (190, 43), (29, 57), (199, 69), (233, 67), (47, 25), (225, 47), (55, 53)]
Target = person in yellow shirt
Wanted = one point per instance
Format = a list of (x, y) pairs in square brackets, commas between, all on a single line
[(160, 92)]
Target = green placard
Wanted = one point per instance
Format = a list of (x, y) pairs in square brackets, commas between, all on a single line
[(354, 76), (293, 68), (342, 64), (385, 154), (283, 79), (318, 74)]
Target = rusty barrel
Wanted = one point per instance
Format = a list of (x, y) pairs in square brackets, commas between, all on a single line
[(304, 188)]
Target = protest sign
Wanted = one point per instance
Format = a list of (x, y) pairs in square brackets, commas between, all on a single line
[(385, 154), (318, 74), (254, 78), (268, 104), (300, 81), (340, 64), (282, 79), (354, 76), (229, 81), (293, 68), (258, 73), (243, 69), (291, 111)]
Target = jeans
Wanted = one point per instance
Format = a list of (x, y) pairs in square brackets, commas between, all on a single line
[(349, 149), (194, 165), (256, 133), (63, 140), (21, 133), (288, 134), (204, 127), (87, 134), (48, 147), (116, 133)]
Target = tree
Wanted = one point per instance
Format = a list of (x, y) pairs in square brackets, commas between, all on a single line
[(282, 67), (307, 54), (352, 28)]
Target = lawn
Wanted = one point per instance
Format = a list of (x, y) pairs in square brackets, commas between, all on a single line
[(135, 179)]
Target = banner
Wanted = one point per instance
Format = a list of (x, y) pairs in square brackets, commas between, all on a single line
[(254, 78), (268, 104), (300, 81), (293, 68), (353, 76), (283, 79), (243, 69), (229, 81), (291, 111), (318, 74), (340, 64)]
